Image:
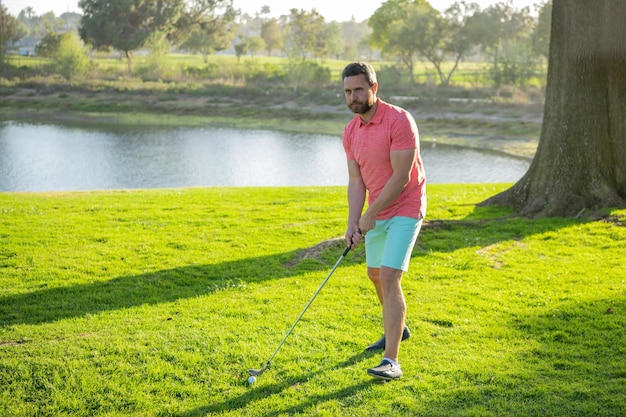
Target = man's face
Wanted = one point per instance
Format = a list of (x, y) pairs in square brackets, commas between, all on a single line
[(360, 96)]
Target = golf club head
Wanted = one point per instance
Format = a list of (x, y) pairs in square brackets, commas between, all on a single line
[(256, 372)]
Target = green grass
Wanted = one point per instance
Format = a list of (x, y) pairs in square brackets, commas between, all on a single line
[(156, 302), (467, 74)]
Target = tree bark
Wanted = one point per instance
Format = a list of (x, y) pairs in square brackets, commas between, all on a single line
[(580, 163)]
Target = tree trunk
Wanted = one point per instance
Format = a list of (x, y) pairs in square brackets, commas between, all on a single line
[(129, 55), (580, 162)]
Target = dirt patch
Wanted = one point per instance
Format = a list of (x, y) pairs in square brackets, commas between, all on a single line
[(315, 252), (616, 220), (13, 342)]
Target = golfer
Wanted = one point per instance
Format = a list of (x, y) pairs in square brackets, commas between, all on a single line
[(384, 164)]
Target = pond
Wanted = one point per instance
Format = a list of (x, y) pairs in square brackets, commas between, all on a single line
[(52, 157)]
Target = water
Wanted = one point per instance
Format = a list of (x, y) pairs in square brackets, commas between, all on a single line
[(47, 157)]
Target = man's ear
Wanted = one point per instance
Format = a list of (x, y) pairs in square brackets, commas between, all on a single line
[(374, 88)]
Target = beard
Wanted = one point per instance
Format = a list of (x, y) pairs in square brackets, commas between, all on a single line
[(359, 107)]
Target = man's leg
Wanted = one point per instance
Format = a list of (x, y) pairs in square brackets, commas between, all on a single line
[(399, 240), (394, 310), (374, 276), (394, 313)]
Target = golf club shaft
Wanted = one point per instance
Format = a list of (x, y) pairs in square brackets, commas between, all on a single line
[(345, 252)]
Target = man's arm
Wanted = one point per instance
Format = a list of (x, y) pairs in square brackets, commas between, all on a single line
[(356, 202), (401, 163)]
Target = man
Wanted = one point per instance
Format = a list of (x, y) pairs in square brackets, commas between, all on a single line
[(384, 164)]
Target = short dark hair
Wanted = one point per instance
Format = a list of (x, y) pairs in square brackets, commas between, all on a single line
[(357, 68)]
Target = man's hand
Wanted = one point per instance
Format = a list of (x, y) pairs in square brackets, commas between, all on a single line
[(367, 222), (354, 237)]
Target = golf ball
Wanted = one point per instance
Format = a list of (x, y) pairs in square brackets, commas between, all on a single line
[(251, 380)]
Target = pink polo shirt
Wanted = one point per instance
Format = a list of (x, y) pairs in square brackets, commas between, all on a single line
[(392, 128)]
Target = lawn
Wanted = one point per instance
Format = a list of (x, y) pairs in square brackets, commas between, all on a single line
[(156, 302)]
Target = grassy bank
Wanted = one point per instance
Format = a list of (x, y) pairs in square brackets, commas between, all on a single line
[(510, 129), (156, 302), (257, 94)]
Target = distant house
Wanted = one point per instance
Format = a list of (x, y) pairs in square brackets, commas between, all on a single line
[(27, 51), (26, 46)]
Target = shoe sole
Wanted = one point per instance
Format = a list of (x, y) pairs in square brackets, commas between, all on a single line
[(383, 377)]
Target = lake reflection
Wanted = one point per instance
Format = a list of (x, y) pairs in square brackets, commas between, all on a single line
[(43, 157)]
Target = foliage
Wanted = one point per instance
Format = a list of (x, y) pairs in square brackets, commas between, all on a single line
[(301, 73), (256, 44), (241, 48), (207, 42), (457, 38), (406, 29), (579, 164), (155, 66), (498, 26), (127, 25), (516, 66), (332, 44), (39, 26), (541, 33), (305, 34), (272, 36), (70, 58), (156, 302), (10, 31), (355, 39), (391, 75), (204, 30), (49, 44)]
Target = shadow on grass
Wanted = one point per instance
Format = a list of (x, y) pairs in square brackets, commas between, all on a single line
[(571, 364), (48, 305), (264, 391), (483, 228)]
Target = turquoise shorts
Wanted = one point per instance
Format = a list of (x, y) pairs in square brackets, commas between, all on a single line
[(391, 242)]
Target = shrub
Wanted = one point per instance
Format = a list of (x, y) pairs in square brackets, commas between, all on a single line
[(70, 59)]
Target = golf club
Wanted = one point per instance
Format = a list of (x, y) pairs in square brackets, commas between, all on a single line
[(258, 372)]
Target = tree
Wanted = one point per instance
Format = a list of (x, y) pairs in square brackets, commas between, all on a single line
[(10, 31), (27, 13), (355, 35), (458, 40), (330, 42), (206, 26), (498, 27), (49, 44), (207, 42), (518, 64), (305, 33), (38, 26), (241, 48), (70, 58), (256, 44), (541, 34), (272, 35), (127, 25), (407, 28), (580, 162)]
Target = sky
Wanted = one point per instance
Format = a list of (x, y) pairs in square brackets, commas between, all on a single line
[(331, 9)]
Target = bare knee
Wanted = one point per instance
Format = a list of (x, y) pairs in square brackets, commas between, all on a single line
[(374, 275), (390, 277)]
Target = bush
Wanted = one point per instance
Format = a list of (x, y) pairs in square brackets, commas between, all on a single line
[(70, 59), (308, 73), (392, 78)]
